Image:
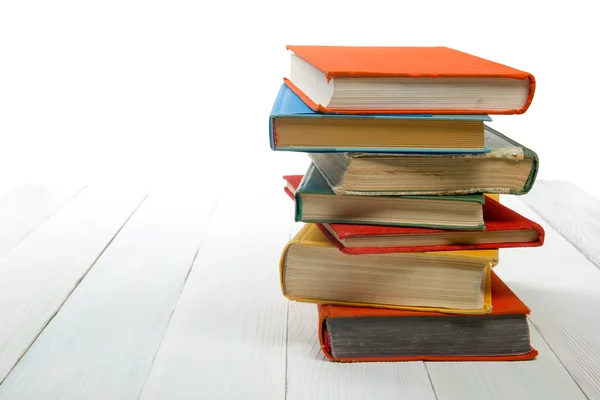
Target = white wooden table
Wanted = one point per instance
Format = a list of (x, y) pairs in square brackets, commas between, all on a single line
[(174, 294)]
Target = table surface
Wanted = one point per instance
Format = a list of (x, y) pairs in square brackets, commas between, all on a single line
[(174, 294)]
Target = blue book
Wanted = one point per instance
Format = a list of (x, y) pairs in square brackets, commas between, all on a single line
[(293, 126)]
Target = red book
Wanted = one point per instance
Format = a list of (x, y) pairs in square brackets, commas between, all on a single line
[(353, 334), (504, 228), (406, 80)]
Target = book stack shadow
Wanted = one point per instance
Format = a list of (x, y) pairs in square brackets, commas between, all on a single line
[(400, 203)]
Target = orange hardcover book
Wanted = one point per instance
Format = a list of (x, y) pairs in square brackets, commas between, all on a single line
[(404, 80), (355, 334)]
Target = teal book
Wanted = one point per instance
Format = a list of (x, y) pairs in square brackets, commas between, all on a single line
[(316, 202), (293, 126), (510, 168)]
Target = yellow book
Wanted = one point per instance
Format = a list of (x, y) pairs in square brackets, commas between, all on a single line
[(494, 196), (313, 270)]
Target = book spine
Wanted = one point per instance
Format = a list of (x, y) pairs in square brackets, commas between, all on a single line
[(272, 134), (526, 153), (298, 207), (532, 174)]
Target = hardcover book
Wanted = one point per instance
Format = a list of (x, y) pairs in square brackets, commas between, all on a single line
[(436, 80), (503, 228), (313, 270), (293, 126), (510, 168), (316, 202), (352, 334)]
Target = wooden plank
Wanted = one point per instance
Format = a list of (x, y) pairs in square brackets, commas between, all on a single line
[(570, 211), (38, 275), (102, 343), (542, 378), (25, 207), (227, 336), (560, 285), (311, 376)]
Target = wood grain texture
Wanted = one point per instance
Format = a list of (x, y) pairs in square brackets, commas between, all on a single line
[(311, 376), (542, 378), (226, 339), (25, 207), (561, 286), (38, 275), (102, 343), (571, 212)]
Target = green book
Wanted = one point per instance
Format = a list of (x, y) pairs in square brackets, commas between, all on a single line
[(510, 168), (316, 202)]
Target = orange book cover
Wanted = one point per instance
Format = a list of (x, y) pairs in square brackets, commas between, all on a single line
[(504, 302), (413, 62)]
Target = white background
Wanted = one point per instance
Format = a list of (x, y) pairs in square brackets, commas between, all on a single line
[(180, 91)]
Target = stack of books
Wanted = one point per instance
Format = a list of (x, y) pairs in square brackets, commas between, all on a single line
[(401, 201)]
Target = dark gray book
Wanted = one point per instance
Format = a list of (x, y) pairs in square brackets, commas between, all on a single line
[(374, 334)]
